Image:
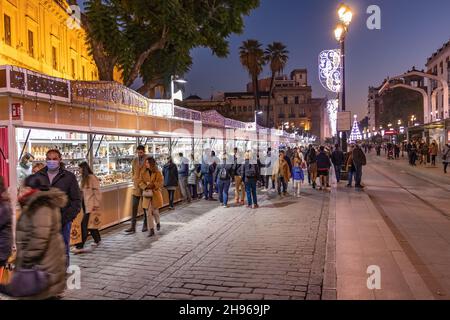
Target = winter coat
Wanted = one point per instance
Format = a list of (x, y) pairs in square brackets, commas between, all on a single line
[(446, 153), (245, 168), (194, 171), (337, 157), (311, 157), (136, 171), (67, 183), (297, 173), (170, 173), (349, 163), (281, 168), (183, 167), (157, 179), (219, 168), (323, 162), (434, 149), (359, 158), (92, 196), (39, 240), (5, 230)]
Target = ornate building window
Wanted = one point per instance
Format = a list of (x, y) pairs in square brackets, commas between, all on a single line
[(54, 59), (7, 25), (31, 43)]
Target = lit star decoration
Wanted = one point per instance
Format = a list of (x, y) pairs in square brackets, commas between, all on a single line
[(330, 70), (332, 108), (355, 135)]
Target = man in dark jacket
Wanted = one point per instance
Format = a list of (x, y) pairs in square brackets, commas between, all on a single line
[(323, 167), (359, 160), (170, 173), (5, 225), (337, 158), (64, 180), (250, 174)]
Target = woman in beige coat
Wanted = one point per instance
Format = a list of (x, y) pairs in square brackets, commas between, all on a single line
[(152, 179), (92, 197)]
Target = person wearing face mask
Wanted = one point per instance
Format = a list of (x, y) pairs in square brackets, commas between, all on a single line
[(64, 180), (24, 169)]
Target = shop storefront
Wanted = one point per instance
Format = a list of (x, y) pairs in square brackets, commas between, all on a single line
[(103, 124)]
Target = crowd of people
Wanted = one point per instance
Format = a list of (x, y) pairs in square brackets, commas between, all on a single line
[(51, 197)]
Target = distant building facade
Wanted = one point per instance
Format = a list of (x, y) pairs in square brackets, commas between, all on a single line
[(292, 105)]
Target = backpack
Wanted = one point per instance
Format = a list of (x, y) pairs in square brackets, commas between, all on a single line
[(223, 174), (250, 171)]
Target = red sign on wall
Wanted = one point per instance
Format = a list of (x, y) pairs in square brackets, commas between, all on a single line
[(16, 111)]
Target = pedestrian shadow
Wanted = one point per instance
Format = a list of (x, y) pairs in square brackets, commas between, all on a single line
[(278, 204)]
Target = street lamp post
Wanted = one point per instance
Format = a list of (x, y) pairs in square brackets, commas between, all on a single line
[(345, 17)]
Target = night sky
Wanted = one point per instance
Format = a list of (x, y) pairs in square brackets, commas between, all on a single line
[(411, 30)]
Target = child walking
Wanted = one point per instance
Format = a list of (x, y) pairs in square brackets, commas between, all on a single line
[(298, 165)]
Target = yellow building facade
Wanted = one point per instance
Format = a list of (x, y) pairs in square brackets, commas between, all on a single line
[(38, 35)]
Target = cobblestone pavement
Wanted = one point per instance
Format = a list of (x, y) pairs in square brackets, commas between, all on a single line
[(207, 252)]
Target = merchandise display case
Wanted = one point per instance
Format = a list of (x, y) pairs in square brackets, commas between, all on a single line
[(183, 145), (112, 157), (158, 148), (73, 146)]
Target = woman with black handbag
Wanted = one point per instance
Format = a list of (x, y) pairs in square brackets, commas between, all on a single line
[(41, 260), (151, 182)]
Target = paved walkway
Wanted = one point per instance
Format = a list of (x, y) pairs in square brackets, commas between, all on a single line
[(208, 252), (398, 223)]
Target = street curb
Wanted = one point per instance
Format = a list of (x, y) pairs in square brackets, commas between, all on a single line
[(329, 290)]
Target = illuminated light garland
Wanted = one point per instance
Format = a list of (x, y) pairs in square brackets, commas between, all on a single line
[(332, 109), (330, 70)]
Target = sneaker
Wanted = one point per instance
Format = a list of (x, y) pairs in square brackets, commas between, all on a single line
[(84, 250), (349, 186), (130, 231), (225, 206), (158, 226), (96, 244), (249, 206)]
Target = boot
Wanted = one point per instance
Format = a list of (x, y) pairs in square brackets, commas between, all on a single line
[(158, 226), (144, 227), (152, 233), (131, 230)]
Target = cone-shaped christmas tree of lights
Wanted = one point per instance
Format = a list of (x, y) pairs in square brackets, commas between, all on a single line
[(355, 135)]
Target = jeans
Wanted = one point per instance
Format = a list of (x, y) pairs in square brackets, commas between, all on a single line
[(136, 200), (358, 175), (281, 182), (350, 177), (433, 160), (171, 197), (250, 189), (266, 181), (184, 187), (66, 236), (208, 185), (337, 170), (224, 187), (193, 190)]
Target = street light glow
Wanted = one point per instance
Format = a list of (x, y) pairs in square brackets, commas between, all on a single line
[(345, 14), (339, 32)]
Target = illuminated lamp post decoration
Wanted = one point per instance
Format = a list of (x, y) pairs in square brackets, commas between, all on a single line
[(355, 135), (330, 70), (332, 109)]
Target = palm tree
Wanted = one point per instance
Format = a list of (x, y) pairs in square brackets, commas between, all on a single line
[(252, 59), (276, 55)]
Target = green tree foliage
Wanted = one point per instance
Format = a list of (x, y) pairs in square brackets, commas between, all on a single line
[(400, 104), (154, 38)]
